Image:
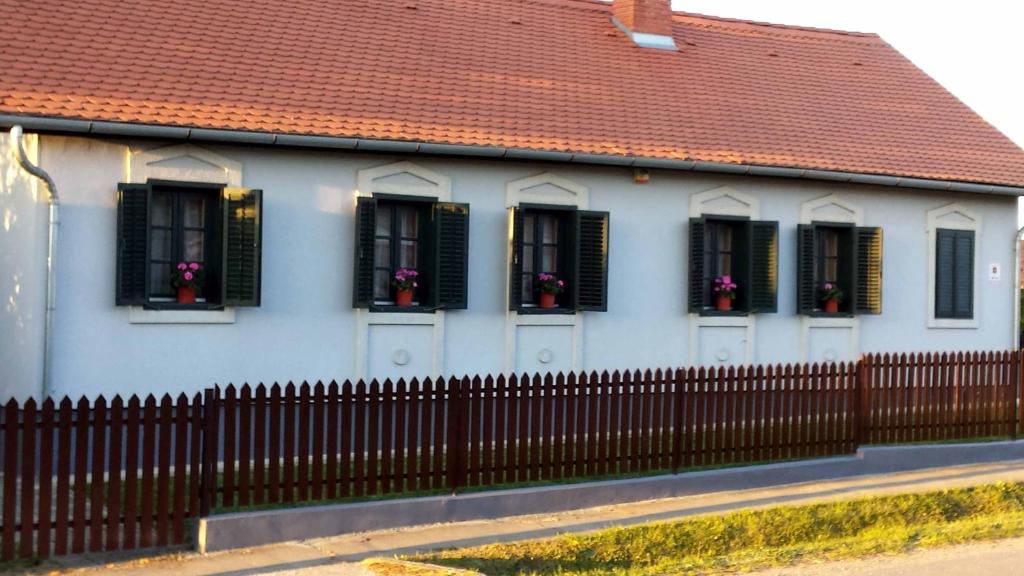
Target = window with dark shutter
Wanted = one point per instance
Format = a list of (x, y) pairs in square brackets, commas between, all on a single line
[(402, 232), (745, 251), (806, 291), (571, 245), (243, 246), (830, 254), (591, 279), (452, 279), (954, 274)]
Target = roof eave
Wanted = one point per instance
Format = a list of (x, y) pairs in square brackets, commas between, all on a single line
[(65, 125)]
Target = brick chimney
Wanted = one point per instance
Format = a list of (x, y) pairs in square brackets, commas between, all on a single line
[(648, 23)]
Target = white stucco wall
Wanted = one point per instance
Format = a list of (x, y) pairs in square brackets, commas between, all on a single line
[(307, 329), (22, 273)]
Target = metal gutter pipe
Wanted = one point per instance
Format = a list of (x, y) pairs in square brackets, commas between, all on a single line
[(410, 147), (53, 200)]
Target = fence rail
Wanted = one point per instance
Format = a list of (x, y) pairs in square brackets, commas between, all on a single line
[(94, 476)]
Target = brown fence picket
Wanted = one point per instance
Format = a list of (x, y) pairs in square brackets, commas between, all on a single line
[(181, 426), (245, 438), (400, 419), (113, 497), (302, 456), (259, 445), (46, 454), (332, 440), (131, 469), (274, 445), (487, 422), (227, 493), (164, 472), (288, 451), (348, 453), (317, 408), (28, 479), (384, 432)]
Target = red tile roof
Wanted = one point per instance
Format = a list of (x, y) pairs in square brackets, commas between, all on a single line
[(552, 75)]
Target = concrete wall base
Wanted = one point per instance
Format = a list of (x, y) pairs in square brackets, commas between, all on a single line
[(247, 529)]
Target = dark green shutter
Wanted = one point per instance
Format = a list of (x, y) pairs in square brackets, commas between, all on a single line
[(452, 262), (764, 266), (806, 291), (132, 243), (243, 246), (696, 264), (954, 274), (591, 281), (365, 230), (515, 261), (868, 286)]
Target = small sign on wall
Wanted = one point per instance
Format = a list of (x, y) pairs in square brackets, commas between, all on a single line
[(995, 271)]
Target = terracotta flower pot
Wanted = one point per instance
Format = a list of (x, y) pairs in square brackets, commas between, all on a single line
[(186, 295), (547, 300), (403, 298), (832, 306), (723, 303)]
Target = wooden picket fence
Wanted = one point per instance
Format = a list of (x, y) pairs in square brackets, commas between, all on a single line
[(98, 476)]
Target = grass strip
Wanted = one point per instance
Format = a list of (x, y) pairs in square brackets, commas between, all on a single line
[(754, 539)]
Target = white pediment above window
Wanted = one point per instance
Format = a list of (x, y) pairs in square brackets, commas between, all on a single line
[(953, 216), (405, 178), (724, 201), (185, 163), (831, 208), (547, 188)]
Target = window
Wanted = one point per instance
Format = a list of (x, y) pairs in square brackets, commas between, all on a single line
[(162, 223), (569, 243), (399, 243), (430, 237), (843, 255), (954, 274), (743, 249)]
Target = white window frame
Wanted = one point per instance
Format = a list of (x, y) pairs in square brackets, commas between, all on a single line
[(953, 216)]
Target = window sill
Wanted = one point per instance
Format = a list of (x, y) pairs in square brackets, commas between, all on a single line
[(955, 323), (823, 314), (391, 309), (173, 313), (546, 311), (713, 312)]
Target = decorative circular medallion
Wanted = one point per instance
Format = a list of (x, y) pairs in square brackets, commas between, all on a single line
[(545, 356), (722, 355), (401, 357), (830, 355)]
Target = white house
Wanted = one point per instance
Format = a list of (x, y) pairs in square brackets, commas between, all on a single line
[(304, 151)]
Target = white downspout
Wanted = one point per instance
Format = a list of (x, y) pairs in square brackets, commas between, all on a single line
[(51, 253)]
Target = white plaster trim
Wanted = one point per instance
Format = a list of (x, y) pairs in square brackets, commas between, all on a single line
[(646, 40), (696, 322), (366, 318), (749, 206), (972, 222), (143, 166), (140, 315), (521, 192), (436, 186), (809, 322), (852, 214)]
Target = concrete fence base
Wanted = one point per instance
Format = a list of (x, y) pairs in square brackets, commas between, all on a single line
[(247, 529)]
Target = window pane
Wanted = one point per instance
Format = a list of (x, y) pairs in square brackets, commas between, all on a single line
[(724, 264), (724, 238), (193, 249), (831, 270), (528, 220), (550, 231), (830, 243), (528, 258), (383, 220), (160, 211), (381, 284), (409, 222), (160, 244), (527, 294), (408, 254), (195, 211), (160, 280), (550, 263), (382, 253)]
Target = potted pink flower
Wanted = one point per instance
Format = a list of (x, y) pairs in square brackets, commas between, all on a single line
[(549, 286), (187, 278), (831, 297), (405, 282), (725, 292)]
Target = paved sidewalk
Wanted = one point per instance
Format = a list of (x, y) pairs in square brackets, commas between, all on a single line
[(339, 555)]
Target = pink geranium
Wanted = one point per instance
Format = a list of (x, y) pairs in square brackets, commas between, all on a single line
[(549, 283), (187, 275), (405, 279), (724, 287)]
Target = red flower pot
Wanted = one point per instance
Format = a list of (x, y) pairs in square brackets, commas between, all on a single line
[(723, 303), (403, 298), (186, 295), (832, 306), (547, 300)]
